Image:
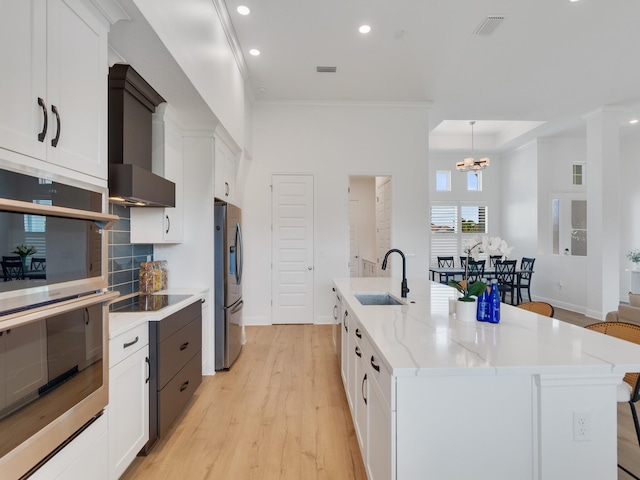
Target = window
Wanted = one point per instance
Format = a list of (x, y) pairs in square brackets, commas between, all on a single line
[(473, 219), (474, 181), (451, 224), (579, 228), (443, 181), (579, 173), (35, 227)]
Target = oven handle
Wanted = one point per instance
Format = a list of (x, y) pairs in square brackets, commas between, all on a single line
[(40, 313), (104, 220)]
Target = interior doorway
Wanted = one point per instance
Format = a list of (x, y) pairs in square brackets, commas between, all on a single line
[(369, 224)]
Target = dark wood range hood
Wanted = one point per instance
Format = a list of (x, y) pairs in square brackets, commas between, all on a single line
[(132, 101)]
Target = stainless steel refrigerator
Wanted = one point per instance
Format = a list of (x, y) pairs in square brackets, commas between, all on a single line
[(228, 260)]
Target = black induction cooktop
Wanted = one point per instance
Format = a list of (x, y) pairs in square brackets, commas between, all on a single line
[(147, 303)]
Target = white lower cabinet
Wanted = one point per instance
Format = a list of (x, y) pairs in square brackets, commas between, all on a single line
[(370, 388), (346, 353), (361, 406), (128, 398), (380, 434)]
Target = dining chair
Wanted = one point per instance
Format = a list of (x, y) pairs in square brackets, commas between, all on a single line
[(493, 259), (475, 270), (628, 390), (12, 269), (463, 261), (524, 280), (542, 308), (445, 262), (38, 264), (506, 275)]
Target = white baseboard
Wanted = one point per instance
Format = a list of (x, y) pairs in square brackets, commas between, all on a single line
[(324, 320), (256, 321)]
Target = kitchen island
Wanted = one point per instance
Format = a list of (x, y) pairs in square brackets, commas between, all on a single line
[(433, 397)]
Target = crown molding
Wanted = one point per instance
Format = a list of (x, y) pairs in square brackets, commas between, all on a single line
[(229, 31)]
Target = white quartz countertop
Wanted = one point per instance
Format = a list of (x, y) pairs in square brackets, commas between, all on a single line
[(421, 338), (120, 322)]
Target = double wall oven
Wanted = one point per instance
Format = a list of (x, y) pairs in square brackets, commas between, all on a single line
[(53, 329)]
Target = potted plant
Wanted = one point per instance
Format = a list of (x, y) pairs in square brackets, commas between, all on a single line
[(634, 256), (473, 247), (24, 251)]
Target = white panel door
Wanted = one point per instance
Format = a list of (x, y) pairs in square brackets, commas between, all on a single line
[(383, 225), (292, 269), (354, 238)]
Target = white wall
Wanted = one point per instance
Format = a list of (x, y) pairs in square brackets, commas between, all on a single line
[(520, 200), (192, 32), (332, 142)]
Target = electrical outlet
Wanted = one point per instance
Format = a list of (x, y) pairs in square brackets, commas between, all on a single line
[(582, 425)]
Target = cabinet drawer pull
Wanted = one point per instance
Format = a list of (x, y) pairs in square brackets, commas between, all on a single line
[(132, 342), (358, 334), (168, 224), (358, 352), (146, 359), (54, 142), (184, 346), (364, 379), (344, 321), (43, 133), (184, 386), (375, 366)]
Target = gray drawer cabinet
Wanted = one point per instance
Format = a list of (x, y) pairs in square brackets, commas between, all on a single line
[(175, 351)]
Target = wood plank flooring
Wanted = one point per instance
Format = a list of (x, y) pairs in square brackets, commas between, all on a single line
[(281, 413)]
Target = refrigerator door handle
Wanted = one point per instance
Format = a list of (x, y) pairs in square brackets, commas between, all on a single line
[(235, 307), (239, 254)]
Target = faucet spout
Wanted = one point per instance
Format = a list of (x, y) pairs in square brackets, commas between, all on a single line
[(405, 289)]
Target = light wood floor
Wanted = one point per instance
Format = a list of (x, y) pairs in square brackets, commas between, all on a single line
[(281, 412)]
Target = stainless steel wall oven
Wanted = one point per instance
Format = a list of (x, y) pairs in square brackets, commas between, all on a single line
[(53, 329)]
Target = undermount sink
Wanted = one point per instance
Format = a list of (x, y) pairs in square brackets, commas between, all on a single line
[(377, 298)]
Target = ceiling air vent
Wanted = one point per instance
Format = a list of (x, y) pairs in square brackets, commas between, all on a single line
[(326, 69), (489, 24)]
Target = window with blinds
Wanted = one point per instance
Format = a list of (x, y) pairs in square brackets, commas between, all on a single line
[(450, 224), (35, 228)]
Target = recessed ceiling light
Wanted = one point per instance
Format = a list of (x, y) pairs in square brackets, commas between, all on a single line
[(634, 121), (243, 10), (262, 89), (255, 52), (572, 1), (364, 29)]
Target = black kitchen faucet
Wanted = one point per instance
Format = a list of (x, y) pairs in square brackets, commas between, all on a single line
[(405, 289)]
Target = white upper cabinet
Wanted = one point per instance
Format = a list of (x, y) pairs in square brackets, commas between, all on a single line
[(225, 166), (54, 92), (163, 225)]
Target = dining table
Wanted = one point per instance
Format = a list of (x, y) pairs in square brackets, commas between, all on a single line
[(450, 273)]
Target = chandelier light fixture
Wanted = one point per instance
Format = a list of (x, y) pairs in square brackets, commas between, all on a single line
[(470, 164)]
